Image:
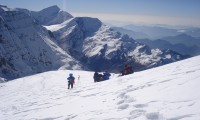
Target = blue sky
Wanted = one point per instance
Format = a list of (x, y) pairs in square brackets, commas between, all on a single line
[(172, 12)]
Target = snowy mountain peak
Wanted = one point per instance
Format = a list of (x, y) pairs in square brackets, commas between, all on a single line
[(48, 16), (27, 48), (101, 48), (50, 10), (4, 8), (70, 43), (88, 24)]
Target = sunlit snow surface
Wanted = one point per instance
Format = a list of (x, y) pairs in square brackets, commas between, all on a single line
[(170, 92)]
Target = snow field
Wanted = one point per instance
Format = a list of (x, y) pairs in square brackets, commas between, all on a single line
[(169, 92)]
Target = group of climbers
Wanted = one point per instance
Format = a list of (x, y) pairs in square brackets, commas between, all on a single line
[(101, 77), (98, 77)]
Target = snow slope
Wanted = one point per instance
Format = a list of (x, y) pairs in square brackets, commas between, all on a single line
[(168, 92)]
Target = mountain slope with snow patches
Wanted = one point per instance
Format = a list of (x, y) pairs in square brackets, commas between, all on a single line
[(73, 43), (27, 48), (97, 46), (169, 92), (101, 48)]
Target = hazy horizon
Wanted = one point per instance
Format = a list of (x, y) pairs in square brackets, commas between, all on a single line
[(118, 12)]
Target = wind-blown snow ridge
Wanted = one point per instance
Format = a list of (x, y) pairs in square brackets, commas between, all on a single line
[(168, 92)]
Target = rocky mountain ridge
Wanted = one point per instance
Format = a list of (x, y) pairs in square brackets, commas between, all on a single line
[(72, 43)]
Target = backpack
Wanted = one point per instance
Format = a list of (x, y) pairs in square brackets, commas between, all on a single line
[(100, 77), (71, 79), (106, 76)]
